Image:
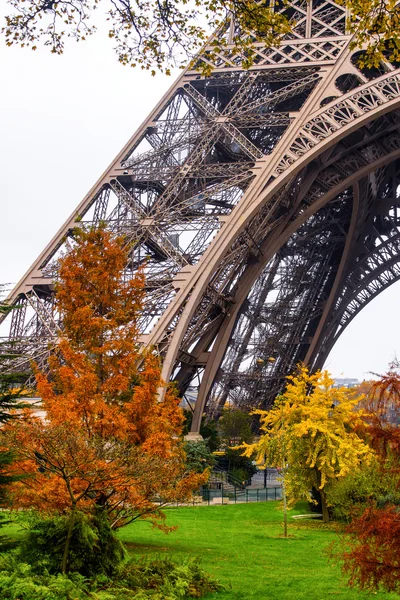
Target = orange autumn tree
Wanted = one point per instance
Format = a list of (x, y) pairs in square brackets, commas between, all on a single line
[(107, 442)]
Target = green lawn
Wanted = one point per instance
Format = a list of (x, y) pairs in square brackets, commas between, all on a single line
[(242, 546)]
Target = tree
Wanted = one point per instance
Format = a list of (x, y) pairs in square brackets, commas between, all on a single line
[(199, 456), (350, 496), (107, 442), (372, 555), (234, 427), (310, 431), (382, 413), (156, 35), (372, 559)]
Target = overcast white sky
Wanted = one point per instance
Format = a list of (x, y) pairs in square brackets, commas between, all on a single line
[(62, 120)]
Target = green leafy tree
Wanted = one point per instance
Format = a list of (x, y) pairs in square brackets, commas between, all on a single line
[(199, 456), (156, 35), (240, 467), (350, 496), (310, 432), (234, 427)]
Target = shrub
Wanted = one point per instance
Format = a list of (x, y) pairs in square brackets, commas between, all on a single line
[(19, 581), (350, 496), (242, 465), (239, 475), (198, 456), (94, 547), (168, 578), (135, 580)]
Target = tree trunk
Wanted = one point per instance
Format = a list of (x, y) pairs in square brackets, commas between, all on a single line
[(325, 512), (284, 504), (64, 567), (284, 513)]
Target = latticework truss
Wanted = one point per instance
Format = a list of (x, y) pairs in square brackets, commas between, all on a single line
[(263, 206)]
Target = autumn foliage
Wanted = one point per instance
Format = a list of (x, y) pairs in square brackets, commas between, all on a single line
[(106, 441), (310, 434), (372, 558), (372, 555), (382, 413)]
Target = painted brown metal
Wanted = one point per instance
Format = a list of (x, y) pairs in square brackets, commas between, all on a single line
[(264, 206)]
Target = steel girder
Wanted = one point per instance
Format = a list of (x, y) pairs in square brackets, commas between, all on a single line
[(263, 205)]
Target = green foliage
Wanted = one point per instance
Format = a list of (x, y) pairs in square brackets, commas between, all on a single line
[(153, 35), (239, 466), (18, 581), (239, 475), (4, 307), (350, 496), (234, 427), (389, 499), (242, 545), (136, 580), (171, 581), (94, 547), (11, 385), (209, 431), (158, 35), (198, 456)]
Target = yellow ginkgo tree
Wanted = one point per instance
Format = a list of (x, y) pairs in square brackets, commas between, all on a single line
[(310, 433)]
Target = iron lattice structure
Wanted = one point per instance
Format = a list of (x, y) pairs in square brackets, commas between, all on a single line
[(264, 205)]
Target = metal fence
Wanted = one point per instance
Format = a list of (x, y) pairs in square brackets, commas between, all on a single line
[(227, 495)]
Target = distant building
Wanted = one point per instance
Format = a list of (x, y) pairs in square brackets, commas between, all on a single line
[(349, 382)]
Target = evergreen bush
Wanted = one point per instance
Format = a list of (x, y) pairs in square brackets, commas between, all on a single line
[(198, 456), (94, 549)]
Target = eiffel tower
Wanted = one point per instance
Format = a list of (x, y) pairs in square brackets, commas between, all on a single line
[(264, 204)]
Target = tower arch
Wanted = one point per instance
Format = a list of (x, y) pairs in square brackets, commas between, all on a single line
[(262, 205)]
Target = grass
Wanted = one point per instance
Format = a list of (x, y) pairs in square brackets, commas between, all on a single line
[(13, 531), (242, 545)]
